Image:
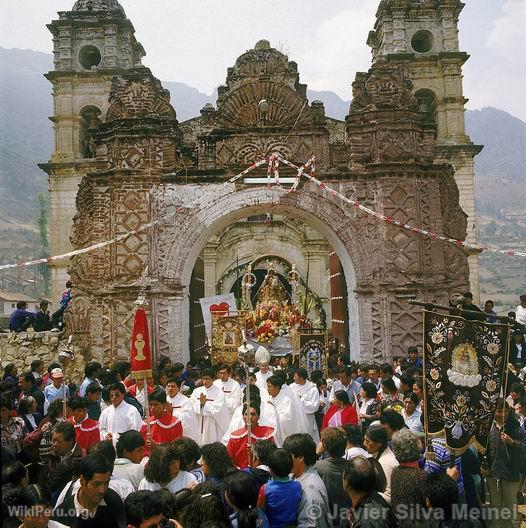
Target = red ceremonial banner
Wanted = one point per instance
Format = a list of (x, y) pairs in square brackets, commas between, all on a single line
[(141, 357)]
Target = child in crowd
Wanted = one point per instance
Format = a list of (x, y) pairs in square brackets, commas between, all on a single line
[(280, 497)]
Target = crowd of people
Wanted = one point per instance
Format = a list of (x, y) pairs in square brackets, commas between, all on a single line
[(270, 445)]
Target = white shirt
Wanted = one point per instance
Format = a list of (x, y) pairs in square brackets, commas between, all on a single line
[(355, 451), (309, 397), (413, 422), (232, 392), (116, 420), (120, 486), (212, 418), (182, 408), (520, 315), (181, 481), (127, 470)]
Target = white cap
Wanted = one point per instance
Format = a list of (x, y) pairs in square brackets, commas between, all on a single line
[(262, 355), (57, 373)]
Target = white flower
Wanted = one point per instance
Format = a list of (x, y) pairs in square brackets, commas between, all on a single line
[(491, 385), (493, 348), (437, 338)]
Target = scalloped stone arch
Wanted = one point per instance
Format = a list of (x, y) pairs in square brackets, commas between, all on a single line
[(219, 209), (240, 109)]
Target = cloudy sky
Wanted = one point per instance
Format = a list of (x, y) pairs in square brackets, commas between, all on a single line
[(195, 42)]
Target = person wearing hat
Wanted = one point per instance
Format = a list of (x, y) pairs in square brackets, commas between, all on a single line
[(55, 390), (520, 312), (262, 361)]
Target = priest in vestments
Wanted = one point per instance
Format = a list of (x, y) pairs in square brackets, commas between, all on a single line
[(230, 388), (290, 414), (164, 426), (87, 430), (181, 407), (309, 396), (210, 408), (237, 445), (262, 358)]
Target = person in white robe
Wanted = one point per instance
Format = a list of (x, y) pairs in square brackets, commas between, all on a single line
[(309, 396), (290, 412), (262, 357), (210, 408), (182, 407), (268, 416), (119, 416), (230, 387)]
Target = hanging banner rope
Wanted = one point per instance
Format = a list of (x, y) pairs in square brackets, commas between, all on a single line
[(273, 163)]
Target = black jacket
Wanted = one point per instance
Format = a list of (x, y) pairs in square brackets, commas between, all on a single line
[(42, 322), (109, 516), (372, 512), (39, 397)]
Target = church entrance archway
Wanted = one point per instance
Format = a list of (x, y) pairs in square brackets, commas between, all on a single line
[(223, 206)]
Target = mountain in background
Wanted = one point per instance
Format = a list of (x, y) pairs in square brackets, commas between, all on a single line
[(26, 138)]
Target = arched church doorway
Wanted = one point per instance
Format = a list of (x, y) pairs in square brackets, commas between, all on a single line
[(304, 232), (308, 272)]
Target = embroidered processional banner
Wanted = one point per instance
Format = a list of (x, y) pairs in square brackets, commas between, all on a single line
[(465, 372), (227, 337), (313, 349)]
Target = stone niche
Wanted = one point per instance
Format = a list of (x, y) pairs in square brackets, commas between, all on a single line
[(21, 349)]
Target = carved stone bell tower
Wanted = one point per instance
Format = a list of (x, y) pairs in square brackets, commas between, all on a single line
[(92, 43), (423, 35)]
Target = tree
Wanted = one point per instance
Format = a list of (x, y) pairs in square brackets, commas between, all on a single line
[(43, 249)]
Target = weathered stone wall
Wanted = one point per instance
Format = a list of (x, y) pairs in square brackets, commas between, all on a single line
[(21, 349)]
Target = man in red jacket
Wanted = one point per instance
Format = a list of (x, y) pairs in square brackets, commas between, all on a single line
[(164, 426), (86, 430)]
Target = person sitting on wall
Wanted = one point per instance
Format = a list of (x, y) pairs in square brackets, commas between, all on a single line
[(21, 319)]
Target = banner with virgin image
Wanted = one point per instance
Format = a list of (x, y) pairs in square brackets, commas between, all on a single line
[(465, 370)]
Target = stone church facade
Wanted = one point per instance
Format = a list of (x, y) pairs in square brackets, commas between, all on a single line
[(122, 160)]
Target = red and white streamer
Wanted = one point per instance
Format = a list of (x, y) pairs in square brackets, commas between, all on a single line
[(273, 163)]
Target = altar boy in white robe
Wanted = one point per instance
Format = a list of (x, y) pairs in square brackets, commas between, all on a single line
[(210, 408), (230, 388), (290, 414), (309, 396), (181, 407), (119, 417)]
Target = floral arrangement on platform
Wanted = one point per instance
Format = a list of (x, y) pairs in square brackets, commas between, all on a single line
[(273, 319)]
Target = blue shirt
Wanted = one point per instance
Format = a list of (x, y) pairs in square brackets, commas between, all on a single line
[(282, 498), (18, 318), (51, 393)]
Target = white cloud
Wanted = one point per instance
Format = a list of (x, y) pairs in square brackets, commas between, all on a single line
[(338, 49), (507, 35)]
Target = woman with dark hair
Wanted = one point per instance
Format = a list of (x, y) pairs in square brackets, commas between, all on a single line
[(15, 474), (27, 410), (411, 413), (341, 412), (369, 411), (505, 455), (418, 389), (206, 506), (13, 429), (376, 444), (163, 470), (34, 509), (217, 464), (390, 395), (241, 494)]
